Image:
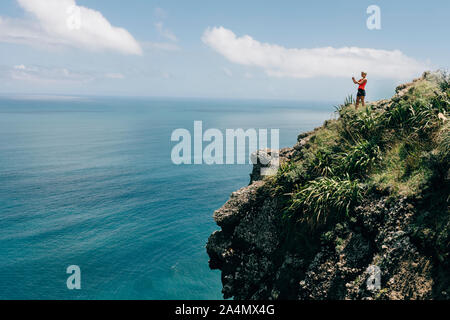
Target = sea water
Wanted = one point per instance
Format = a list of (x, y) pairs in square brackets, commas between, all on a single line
[(90, 182)]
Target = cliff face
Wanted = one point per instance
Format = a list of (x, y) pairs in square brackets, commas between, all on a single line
[(358, 209)]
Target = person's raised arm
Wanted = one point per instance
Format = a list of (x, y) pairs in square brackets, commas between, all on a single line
[(362, 81), (358, 82)]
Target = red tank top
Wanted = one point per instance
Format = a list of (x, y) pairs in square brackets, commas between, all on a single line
[(362, 85)]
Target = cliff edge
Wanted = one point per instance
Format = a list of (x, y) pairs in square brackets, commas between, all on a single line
[(357, 210)]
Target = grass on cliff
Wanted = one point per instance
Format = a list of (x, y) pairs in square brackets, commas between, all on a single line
[(396, 149), (322, 197)]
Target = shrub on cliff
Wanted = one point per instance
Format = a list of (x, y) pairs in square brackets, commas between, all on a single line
[(325, 198), (361, 157), (370, 188), (387, 148)]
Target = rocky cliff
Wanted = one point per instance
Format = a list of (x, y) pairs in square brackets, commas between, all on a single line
[(357, 210)]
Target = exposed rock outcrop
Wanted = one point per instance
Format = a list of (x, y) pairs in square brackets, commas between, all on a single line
[(263, 255)]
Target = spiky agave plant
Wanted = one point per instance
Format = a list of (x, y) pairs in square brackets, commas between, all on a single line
[(366, 124), (323, 163), (444, 82), (422, 117), (288, 174), (325, 198), (361, 157), (346, 126), (444, 142), (349, 100), (397, 115), (418, 116)]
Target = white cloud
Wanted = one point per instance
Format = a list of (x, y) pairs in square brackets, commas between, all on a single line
[(166, 33), (52, 75), (63, 22), (278, 61), (47, 75)]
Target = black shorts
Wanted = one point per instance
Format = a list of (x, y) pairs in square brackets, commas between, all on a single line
[(361, 93)]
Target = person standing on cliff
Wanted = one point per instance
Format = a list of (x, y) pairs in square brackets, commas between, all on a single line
[(360, 96)]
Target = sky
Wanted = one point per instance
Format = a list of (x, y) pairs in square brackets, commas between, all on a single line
[(301, 50)]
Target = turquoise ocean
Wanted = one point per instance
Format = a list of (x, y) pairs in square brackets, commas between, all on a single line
[(90, 182)]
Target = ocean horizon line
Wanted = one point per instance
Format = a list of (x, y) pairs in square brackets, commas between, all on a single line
[(72, 97)]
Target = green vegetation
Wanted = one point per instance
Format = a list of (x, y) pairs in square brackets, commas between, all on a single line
[(361, 157), (394, 149), (325, 198), (400, 148)]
